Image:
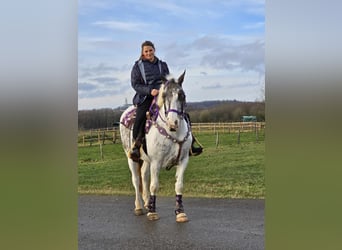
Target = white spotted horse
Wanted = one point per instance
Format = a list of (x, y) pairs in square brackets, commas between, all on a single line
[(168, 141)]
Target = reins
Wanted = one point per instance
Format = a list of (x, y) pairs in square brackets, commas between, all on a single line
[(163, 132)]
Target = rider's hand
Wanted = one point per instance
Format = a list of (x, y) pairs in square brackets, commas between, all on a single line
[(154, 92)]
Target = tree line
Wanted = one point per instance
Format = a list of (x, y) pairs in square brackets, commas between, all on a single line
[(208, 111)]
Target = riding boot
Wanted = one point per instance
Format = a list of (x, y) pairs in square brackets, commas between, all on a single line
[(135, 152), (194, 151)]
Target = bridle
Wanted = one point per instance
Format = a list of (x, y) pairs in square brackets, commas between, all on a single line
[(155, 107), (180, 113), (154, 111)]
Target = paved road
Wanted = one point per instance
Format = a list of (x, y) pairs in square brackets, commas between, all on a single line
[(108, 222)]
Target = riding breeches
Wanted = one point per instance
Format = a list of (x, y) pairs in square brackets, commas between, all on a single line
[(140, 119)]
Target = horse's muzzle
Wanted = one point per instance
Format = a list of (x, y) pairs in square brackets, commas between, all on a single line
[(173, 126)]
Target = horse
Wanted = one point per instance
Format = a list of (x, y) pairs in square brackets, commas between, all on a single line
[(168, 141)]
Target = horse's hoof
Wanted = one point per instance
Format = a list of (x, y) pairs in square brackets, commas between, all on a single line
[(181, 217), (152, 216), (138, 212)]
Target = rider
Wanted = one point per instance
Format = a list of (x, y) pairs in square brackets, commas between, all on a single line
[(146, 80)]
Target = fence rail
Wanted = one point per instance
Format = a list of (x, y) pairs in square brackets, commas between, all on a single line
[(227, 127), (99, 136), (112, 134)]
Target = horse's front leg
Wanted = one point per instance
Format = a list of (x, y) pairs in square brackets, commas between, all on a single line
[(179, 209), (154, 186), (145, 175), (136, 181)]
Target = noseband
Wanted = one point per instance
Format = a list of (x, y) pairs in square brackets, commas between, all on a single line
[(179, 113)]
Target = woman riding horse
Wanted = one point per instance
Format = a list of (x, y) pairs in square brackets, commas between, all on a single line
[(168, 142), (146, 79)]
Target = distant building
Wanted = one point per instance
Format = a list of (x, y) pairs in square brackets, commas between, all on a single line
[(116, 124), (249, 118)]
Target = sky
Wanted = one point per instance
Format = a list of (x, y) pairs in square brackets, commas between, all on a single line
[(220, 44)]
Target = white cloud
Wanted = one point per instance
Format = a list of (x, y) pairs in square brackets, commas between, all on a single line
[(257, 25), (124, 26), (223, 62)]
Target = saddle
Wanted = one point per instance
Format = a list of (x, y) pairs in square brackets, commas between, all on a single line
[(151, 115), (129, 119)]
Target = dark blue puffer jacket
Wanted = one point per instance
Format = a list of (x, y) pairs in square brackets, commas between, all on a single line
[(153, 79)]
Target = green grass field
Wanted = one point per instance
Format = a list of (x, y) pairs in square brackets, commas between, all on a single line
[(229, 170)]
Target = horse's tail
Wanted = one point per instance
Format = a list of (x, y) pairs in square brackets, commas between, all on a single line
[(140, 163)]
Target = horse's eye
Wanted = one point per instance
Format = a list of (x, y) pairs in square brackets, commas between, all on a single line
[(181, 96)]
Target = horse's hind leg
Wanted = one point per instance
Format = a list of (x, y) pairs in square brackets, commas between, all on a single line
[(136, 181), (154, 185), (179, 209)]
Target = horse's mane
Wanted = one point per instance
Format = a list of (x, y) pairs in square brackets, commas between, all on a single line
[(160, 100)]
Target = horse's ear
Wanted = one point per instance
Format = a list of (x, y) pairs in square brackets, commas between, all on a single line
[(164, 79), (181, 78)]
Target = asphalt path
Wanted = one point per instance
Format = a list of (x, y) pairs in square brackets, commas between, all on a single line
[(108, 222)]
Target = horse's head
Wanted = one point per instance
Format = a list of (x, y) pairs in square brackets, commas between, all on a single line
[(171, 101)]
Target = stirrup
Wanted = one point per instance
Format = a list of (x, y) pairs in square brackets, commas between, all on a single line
[(197, 141), (195, 151)]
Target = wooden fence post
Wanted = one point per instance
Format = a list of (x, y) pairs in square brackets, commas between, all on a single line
[(101, 151), (256, 134), (217, 139), (238, 139)]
